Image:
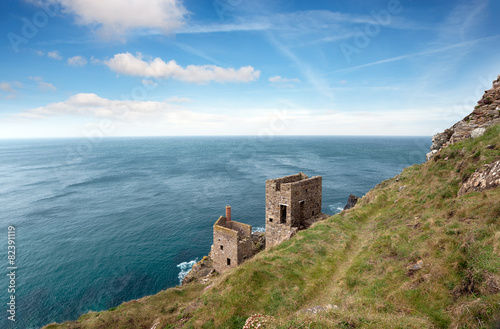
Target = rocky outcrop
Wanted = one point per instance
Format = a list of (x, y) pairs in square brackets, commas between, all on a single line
[(351, 201), (485, 114), (201, 271), (258, 242), (485, 178)]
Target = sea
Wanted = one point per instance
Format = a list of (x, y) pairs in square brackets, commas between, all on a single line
[(97, 222)]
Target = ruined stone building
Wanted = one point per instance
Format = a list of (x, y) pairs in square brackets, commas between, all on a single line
[(232, 243), (290, 202)]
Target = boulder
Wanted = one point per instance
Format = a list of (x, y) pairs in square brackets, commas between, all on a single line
[(351, 202), (417, 266), (477, 132)]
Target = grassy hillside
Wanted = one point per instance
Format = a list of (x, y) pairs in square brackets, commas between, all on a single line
[(359, 261)]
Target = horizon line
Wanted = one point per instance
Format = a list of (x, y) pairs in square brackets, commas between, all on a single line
[(200, 136)]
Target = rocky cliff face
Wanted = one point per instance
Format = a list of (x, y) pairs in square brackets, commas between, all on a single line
[(485, 114)]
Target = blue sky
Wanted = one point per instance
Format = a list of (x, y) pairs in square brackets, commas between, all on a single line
[(75, 68)]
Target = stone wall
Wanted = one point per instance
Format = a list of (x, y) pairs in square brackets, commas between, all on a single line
[(485, 114), (232, 244), (290, 201), (306, 198)]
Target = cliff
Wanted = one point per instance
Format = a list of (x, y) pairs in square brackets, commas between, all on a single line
[(420, 250), (485, 114)]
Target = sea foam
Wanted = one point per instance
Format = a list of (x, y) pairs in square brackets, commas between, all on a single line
[(185, 268)]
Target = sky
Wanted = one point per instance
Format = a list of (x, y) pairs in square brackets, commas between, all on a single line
[(94, 68)]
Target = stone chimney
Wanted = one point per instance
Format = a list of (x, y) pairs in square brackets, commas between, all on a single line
[(228, 213)]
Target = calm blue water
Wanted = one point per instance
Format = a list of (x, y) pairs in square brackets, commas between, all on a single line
[(105, 221)]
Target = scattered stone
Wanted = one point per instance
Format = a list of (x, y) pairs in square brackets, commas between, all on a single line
[(351, 201), (417, 225), (482, 179), (319, 309), (490, 147), (401, 188), (417, 266)]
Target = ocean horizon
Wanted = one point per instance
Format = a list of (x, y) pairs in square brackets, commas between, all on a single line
[(103, 221)]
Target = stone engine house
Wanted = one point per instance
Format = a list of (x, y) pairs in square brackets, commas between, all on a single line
[(290, 202), (232, 243)]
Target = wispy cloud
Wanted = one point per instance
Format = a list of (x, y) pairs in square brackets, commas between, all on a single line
[(320, 83), (128, 64), (283, 82), (417, 54), (259, 25), (280, 79), (42, 85), (327, 25), (10, 89), (461, 22)]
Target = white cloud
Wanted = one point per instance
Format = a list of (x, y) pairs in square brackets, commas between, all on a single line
[(55, 55), (167, 118), (9, 88), (88, 104), (176, 99), (128, 64), (114, 18), (42, 85), (77, 61)]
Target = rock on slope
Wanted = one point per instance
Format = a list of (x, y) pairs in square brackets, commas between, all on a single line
[(485, 114)]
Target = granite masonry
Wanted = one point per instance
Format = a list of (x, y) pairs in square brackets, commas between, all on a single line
[(232, 243), (290, 202)]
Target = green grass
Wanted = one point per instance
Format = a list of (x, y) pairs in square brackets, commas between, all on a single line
[(359, 260)]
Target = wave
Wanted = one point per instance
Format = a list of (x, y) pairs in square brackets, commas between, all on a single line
[(185, 268), (53, 197), (335, 208), (258, 229), (98, 180)]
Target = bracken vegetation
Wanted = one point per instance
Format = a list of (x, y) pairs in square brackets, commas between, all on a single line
[(363, 261)]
